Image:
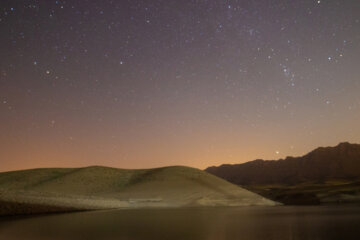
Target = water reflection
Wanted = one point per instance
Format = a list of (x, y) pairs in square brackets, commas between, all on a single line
[(193, 223)]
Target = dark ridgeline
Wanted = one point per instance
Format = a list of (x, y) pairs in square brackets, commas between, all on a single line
[(325, 175), (323, 163)]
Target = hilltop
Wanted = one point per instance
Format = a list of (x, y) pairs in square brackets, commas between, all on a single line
[(59, 189)]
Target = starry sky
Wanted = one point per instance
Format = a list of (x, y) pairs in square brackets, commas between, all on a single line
[(140, 84)]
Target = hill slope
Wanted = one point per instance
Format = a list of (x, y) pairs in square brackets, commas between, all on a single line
[(312, 178), (44, 190)]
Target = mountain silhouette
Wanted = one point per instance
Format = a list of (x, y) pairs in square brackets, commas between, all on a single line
[(327, 175), (321, 164)]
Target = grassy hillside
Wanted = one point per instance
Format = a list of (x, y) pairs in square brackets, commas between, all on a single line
[(105, 188)]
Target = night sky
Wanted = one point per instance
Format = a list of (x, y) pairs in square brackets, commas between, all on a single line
[(139, 84)]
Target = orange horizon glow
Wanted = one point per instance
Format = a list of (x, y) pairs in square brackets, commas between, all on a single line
[(144, 84)]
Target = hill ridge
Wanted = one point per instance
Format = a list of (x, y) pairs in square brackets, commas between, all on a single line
[(99, 187), (339, 162)]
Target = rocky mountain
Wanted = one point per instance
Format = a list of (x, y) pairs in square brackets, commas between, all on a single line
[(321, 164), (327, 175)]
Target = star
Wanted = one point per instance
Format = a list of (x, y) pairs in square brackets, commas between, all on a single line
[(132, 69)]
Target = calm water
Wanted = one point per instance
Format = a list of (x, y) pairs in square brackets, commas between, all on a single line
[(187, 224)]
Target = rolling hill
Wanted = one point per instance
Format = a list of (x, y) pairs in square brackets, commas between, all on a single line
[(326, 174), (90, 188)]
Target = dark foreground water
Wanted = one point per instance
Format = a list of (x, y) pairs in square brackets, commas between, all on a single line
[(336, 222)]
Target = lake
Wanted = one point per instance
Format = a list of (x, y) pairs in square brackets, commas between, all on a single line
[(283, 222)]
